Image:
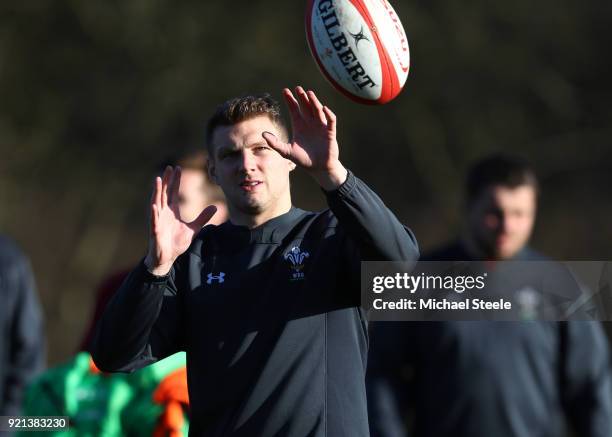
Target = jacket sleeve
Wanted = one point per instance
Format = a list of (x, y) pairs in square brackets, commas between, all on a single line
[(586, 380), (141, 324), (26, 345), (376, 231)]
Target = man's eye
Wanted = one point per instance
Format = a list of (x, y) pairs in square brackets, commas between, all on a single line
[(230, 154), (260, 148)]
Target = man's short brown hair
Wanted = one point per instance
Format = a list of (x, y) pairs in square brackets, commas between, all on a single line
[(244, 108), (500, 169)]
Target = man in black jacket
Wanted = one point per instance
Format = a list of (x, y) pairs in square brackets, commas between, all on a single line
[(267, 304), (22, 340), (485, 378)]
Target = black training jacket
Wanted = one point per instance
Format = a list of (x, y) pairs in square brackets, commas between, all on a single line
[(270, 319)]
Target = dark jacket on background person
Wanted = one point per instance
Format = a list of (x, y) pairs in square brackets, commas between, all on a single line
[(488, 378), (22, 346), (270, 318)]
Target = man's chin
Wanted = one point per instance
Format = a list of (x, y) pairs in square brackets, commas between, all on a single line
[(505, 253), (251, 207)]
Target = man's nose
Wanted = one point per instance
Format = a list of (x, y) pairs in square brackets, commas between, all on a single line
[(246, 161), (506, 223)]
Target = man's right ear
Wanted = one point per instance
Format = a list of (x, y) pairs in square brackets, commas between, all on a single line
[(212, 173)]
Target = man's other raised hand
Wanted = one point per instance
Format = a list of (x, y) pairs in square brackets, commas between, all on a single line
[(169, 236), (314, 146)]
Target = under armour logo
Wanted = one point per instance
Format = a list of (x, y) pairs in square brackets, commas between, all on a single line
[(219, 278)]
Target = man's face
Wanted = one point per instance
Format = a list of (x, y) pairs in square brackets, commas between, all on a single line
[(192, 194), (501, 219), (253, 176)]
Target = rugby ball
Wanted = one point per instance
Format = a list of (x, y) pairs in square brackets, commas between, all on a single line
[(360, 46)]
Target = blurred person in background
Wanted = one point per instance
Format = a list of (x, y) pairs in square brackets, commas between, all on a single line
[(487, 378), (151, 401), (22, 339), (267, 305)]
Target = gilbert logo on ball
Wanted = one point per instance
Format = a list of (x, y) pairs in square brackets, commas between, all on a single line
[(360, 46)]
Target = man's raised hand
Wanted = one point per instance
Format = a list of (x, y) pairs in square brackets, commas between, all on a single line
[(169, 236), (314, 146)]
